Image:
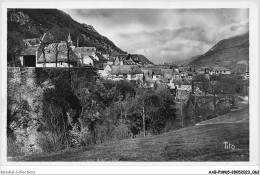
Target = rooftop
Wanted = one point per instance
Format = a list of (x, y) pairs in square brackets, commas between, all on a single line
[(62, 54), (125, 69), (30, 50)]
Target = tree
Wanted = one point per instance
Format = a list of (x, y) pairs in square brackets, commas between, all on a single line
[(229, 86), (15, 46), (54, 128), (54, 120), (145, 104), (56, 51), (125, 107), (202, 82), (52, 38), (166, 113), (57, 35), (44, 42), (18, 111)]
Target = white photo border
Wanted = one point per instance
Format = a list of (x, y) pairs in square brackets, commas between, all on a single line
[(149, 167)]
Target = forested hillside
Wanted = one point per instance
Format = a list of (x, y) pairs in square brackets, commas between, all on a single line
[(33, 23)]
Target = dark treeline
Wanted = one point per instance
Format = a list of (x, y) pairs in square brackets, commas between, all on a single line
[(79, 109), (213, 96), (54, 109)]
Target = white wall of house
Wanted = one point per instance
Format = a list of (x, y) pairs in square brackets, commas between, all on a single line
[(106, 71), (118, 62), (117, 77), (171, 85), (227, 72), (59, 64), (105, 55), (156, 77), (140, 76), (176, 70), (129, 76), (88, 60), (134, 76), (110, 63), (21, 60), (220, 72), (46, 65)]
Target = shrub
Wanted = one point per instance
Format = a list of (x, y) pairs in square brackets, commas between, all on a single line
[(122, 131), (81, 137), (50, 142), (14, 148)]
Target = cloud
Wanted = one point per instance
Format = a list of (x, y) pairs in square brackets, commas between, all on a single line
[(165, 34), (119, 17)]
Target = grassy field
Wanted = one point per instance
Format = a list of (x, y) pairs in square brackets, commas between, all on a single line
[(196, 143), (235, 116)]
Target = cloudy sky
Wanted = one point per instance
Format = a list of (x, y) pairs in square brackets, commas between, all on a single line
[(165, 35)]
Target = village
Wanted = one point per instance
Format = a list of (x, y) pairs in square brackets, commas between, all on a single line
[(129, 67)]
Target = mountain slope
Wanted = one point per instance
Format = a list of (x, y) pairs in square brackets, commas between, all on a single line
[(144, 60), (32, 23), (186, 61), (227, 53)]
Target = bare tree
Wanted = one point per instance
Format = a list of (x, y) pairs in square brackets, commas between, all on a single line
[(54, 129), (15, 46), (55, 48), (45, 41), (58, 35), (144, 105)]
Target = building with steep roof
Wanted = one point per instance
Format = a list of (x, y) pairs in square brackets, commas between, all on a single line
[(131, 59), (129, 72), (89, 57), (106, 72), (38, 53), (57, 53), (29, 56), (167, 73), (31, 52), (119, 59)]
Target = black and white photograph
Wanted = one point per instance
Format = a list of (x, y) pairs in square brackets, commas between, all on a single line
[(128, 85)]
